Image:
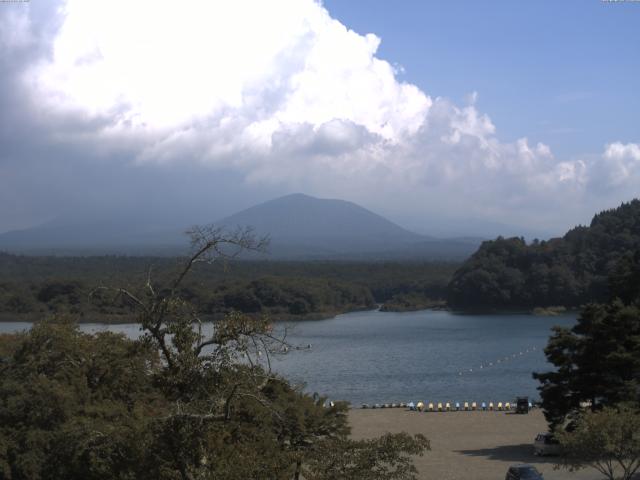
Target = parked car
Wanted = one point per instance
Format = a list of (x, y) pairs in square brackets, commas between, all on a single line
[(523, 472), (546, 444)]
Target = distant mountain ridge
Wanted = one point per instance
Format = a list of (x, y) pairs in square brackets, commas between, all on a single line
[(301, 227), (82, 237)]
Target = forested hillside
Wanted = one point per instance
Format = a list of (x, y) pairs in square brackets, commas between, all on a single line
[(568, 271), (32, 286)]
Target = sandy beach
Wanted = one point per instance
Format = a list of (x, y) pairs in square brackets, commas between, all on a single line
[(467, 445)]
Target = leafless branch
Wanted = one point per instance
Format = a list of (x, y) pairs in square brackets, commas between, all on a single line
[(208, 244), (149, 285)]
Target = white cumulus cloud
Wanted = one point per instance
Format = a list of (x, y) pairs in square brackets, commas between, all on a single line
[(285, 94), (255, 66), (622, 162)]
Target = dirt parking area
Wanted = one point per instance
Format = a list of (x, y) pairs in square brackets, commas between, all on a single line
[(467, 445)]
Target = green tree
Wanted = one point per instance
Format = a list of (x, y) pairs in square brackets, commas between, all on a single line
[(187, 401), (624, 281), (74, 405), (607, 440), (597, 361)]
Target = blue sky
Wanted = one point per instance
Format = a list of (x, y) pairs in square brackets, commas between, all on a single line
[(449, 117), (566, 73)]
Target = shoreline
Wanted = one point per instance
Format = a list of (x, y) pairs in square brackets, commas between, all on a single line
[(34, 317)]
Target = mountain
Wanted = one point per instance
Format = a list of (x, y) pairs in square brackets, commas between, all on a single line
[(304, 227), (587, 264), (302, 224), (300, 227)]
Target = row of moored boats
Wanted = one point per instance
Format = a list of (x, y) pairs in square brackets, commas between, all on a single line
[(449, 406)]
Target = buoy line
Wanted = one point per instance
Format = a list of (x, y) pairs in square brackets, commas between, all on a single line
[(501, 360)]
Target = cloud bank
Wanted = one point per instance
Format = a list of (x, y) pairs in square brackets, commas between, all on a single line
[(285, 97)]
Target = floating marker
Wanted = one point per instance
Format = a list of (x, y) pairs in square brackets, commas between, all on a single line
[(483, 365)]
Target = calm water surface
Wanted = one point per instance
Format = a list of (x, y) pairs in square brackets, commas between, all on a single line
[(378, 357)]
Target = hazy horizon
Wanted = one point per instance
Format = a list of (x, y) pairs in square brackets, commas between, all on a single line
[(437, 227)]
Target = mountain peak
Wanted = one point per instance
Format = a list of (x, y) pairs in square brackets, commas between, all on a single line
[(329, 224), (305, 199), (295, 196)]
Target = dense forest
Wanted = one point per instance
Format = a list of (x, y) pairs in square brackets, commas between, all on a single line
[(508, 273), (31, 286), (175, 404)]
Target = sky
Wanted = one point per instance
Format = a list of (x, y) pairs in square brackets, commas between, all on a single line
[(446, 117)]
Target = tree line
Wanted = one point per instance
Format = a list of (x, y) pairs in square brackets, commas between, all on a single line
[(33, 286), (509, 273)]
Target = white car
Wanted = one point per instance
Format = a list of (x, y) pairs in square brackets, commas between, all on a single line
[(546, 444)]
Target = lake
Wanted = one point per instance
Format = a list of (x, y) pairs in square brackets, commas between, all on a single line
[(383, 357)]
